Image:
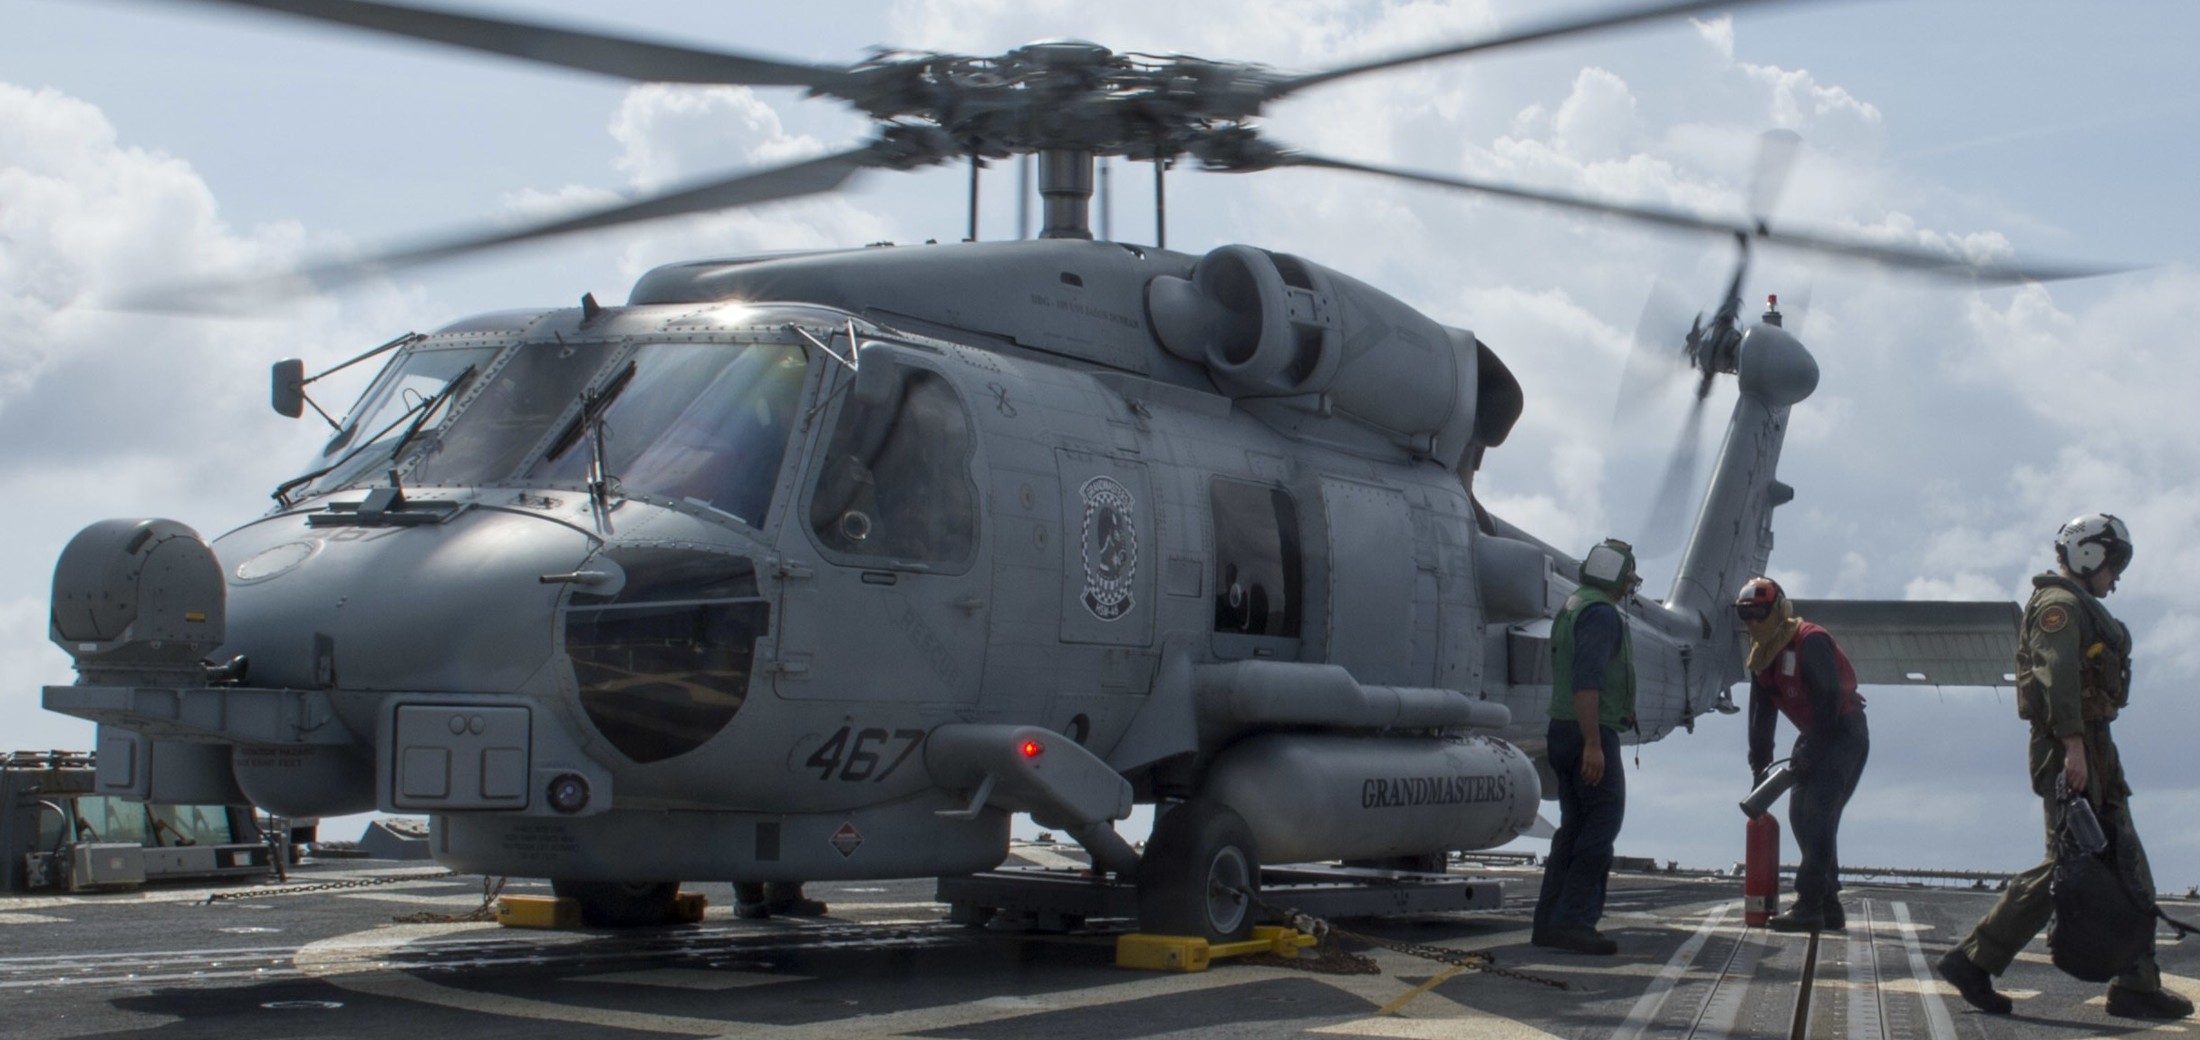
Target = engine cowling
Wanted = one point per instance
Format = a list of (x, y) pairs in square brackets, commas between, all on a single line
[(1274, 326)]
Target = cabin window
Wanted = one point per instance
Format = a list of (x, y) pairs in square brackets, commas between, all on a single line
[(1257, 561), (101, 818), (510, 415), (52, 828), (704, 423), (190, 824), (896, 479)]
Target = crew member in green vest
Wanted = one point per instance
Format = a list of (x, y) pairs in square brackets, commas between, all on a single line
[(1592, 699)]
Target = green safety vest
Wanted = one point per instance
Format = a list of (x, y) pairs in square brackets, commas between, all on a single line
[(1616, 704)]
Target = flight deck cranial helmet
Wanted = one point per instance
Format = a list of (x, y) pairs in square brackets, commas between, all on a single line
[(2091, 542), (1611, 567), (1758, 599)]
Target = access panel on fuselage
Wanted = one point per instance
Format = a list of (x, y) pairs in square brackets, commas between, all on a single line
[(1371, 579)]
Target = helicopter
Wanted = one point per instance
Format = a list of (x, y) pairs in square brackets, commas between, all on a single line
[(822, 565)]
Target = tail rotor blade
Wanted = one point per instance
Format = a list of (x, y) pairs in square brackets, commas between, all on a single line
[(1656, 356)]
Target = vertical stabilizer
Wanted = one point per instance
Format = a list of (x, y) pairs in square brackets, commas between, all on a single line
[(1732, 537)]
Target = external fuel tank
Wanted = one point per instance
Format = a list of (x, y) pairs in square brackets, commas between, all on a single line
[(1318, 797)]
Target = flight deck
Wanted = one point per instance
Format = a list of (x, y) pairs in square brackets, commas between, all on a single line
[(384, 949)]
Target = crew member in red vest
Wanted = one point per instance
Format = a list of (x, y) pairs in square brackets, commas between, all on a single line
[(1796, 670)]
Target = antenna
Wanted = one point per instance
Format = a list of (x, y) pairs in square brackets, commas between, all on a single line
[(1160, 202), (975, 166), (1107, 223)]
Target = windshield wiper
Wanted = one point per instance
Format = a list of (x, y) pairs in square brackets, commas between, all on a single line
[(427, 408), (423, 409), (592, 409)]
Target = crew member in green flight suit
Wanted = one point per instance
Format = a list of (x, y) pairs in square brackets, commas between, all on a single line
[(2073, 678), (1592, 699)]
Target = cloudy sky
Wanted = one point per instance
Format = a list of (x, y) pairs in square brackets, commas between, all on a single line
[(1952, 431)]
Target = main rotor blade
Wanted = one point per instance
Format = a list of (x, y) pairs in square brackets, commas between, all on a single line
[(749, 188), (1548, 30), (586, 50), (1912, 259), (1776, 151), (1665, 526)]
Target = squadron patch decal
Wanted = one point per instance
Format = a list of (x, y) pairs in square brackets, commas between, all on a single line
[(2053, 619), (1110, 547)]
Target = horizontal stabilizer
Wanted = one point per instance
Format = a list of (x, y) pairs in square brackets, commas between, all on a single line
[(1922, 643)]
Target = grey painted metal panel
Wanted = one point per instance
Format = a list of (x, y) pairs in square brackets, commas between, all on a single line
[(460, 756), (1899, 643), (1371, 580)]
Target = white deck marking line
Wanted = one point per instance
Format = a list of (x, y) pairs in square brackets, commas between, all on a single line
[(1936, 1011), (1652, 1000)]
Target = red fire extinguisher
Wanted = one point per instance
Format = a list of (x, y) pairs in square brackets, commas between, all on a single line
[(1761, 870), (1761, 848)]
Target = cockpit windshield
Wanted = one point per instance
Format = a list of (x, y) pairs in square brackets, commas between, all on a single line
[(491, 438), (707, 423), (410, 397)]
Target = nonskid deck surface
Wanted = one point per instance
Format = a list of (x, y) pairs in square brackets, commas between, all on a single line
[(335, 962)]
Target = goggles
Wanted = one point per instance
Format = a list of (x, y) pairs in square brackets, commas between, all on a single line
[(1753, 611)]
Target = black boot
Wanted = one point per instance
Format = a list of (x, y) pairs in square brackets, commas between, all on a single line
[(785, 897), (1977, 987), (1577, 940), (748, 901), (1831, 913), (2159, 1004), (1797, 919)]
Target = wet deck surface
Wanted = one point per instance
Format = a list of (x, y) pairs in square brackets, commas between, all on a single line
[(335, 962)]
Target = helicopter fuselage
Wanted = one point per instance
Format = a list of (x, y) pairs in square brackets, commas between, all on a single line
[(821, 566)]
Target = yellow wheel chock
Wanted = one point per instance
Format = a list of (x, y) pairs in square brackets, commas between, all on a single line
[(1191, 953)]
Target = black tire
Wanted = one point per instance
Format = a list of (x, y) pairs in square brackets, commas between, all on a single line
[(1197, 873), (620, 904)]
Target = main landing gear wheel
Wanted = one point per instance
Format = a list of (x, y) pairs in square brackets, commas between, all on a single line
[(1198, 874), (620, 904)]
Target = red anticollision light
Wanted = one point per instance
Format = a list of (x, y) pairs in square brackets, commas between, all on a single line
[(1032, 748)]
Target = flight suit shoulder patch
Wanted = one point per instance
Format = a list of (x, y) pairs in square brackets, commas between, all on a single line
[(2054, 619)]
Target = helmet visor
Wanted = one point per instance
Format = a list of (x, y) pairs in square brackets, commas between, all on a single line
[(2119, 556), (1753, 611)]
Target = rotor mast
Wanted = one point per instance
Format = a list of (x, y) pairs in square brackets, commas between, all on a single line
[(1065, 192)]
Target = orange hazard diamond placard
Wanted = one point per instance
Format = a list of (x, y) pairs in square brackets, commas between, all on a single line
[(846, 839)]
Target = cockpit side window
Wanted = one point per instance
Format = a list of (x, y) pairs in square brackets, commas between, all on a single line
[(705, 423), (1257, 560), (895, 484)]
